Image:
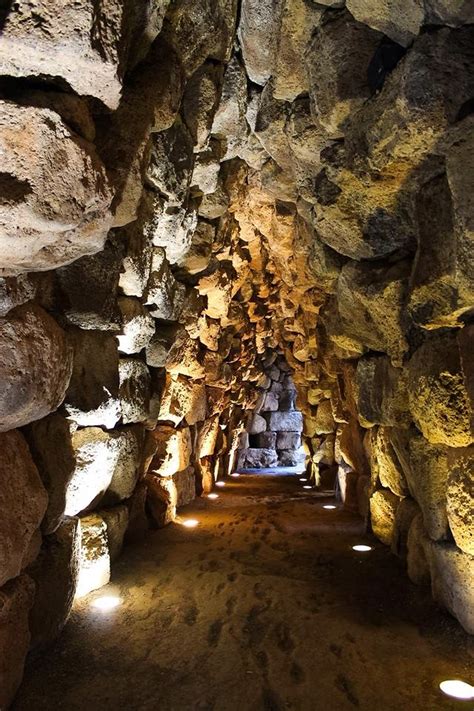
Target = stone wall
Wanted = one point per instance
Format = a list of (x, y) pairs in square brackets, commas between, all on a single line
[(187, 187), (272, 437)]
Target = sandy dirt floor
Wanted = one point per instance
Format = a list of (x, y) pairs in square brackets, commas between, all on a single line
[(263, 607)]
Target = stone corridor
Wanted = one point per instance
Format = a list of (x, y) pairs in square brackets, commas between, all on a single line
[(264, 606)]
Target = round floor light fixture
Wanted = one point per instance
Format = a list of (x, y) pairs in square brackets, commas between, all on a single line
[(302, 478), (220, 483), (235, 474), (106, 602), (457, 689), (329, 507), (190, 523), (307, 486), (362, 548), (213, 496)]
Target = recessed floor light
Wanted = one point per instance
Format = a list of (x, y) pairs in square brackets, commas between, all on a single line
[(190, 523), (213, 496), (362, 548), (235, 474), (307, 486), (457, 689), (106, 602), (220, 483), (329, 506), (302, 478)]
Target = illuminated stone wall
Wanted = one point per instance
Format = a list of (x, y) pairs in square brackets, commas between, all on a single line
[(188, 187)]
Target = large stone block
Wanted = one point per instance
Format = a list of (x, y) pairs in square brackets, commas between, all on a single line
[(401, 24), (55, 573), (257, 424), (388, 467), (290, 457), (288, 440), (55, 195), (201, 31), (383, 509), (79, 44), (324, 422), (171, 163), (370, 301), (255, 458), (35, 366), (16, 599), (270, 403), (164, 295), (418, 549), (460, 497), (15, 291), (452, 573), (92, 398), (23, 502), (441, 288), (116, 520), (173, 451), (291, 421), (134, 390), (167, 494), (439, 401), (425, 467), (297, 24), (381, 393), (138, 326), (79, 465), (258, 35), (266, 440), (207, 437), (94, 565), (87, 289), (183, 399), (185, 357), (337, 61)]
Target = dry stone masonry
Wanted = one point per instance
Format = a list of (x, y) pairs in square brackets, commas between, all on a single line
[(189, 188)]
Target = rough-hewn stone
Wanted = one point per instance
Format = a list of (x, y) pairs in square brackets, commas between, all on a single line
[(54, 210), (55, 573), (23, 502), (35, 366), (16, 599)]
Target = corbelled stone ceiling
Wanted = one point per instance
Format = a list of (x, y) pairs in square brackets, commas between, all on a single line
[(195, 193)]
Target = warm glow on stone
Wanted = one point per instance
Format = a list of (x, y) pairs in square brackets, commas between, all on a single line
[(213, 496), (190, 523), (457, 689), (362, 548), (106, 602)]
